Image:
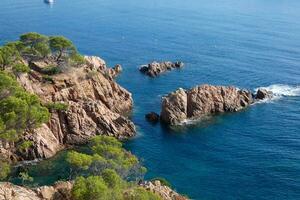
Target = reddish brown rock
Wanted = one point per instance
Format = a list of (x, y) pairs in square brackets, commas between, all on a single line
[(204, 100), (96, 105), (165, 192)]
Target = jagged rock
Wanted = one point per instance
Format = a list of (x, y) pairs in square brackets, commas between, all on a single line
[(204, 100), (96, 105), (174, 107), (152, 117), (98, 64), (163, 191), (154, 69), (59, 191), (263, 94)]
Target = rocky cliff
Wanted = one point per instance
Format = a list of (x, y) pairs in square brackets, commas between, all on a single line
[(203, 100), (96, 104)]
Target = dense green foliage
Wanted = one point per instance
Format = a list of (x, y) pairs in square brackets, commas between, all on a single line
[(107, 171), (19, 110), (20, 68), (8, 55), (106, 153), (62, 47), (51, 70), (57, 106), (4, 170), (109, 186), (35, 46)]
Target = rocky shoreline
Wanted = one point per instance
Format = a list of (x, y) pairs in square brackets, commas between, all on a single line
[(62, 191)]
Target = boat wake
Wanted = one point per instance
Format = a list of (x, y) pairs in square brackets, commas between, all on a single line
[(281, 90)]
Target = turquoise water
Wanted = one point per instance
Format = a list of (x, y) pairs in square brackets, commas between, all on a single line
[(253, 154)]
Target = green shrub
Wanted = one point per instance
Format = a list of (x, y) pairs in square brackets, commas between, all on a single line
[(57, 106), (140, 193), (93, 188), (47, 78), (25, 178), (77, 59), (25, 145), (19, 110), (4, 170), (20, 68), (51, 70)]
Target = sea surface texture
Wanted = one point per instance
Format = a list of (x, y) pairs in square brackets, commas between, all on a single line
[(253, 154)]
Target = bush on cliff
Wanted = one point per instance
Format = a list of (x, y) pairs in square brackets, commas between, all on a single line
[(4, 170), (19, 110), (109, 186), (106, 153)]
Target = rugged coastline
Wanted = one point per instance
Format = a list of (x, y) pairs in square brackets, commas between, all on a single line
[(81, 103)]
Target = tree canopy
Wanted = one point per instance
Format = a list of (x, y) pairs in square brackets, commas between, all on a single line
[(19, 110), (61, 46)]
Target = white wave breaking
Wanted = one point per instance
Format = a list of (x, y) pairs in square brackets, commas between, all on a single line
[(281, 90)]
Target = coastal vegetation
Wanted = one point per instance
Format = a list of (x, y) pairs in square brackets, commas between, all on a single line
[(104, 170)]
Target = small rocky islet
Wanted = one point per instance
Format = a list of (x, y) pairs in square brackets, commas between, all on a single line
[(156, 68), (203, 100)]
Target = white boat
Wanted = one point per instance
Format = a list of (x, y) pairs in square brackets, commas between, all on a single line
[(49, 1)]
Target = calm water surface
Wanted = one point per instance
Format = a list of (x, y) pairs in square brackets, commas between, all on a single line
[(254, 154)]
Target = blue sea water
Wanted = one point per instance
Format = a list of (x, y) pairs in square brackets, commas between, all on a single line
[(253, 154)]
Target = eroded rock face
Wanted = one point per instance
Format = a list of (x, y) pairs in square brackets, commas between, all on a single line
[(96, 105), (154, 69), (204, 100), (163, 191), (59, 191)]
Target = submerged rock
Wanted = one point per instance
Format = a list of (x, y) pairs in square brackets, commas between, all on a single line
[(152, 117), (204, 100), (154, 69)]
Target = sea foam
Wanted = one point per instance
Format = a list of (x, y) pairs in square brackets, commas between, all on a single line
[(281, 90)]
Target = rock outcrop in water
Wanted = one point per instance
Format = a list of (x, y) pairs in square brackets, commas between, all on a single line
[(154, 69), (205, 100), (96, 105), (152, 117)]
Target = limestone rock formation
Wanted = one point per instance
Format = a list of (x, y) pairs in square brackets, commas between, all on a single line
[(204, 100), (163, 191), (154, 69), (96, 105)]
